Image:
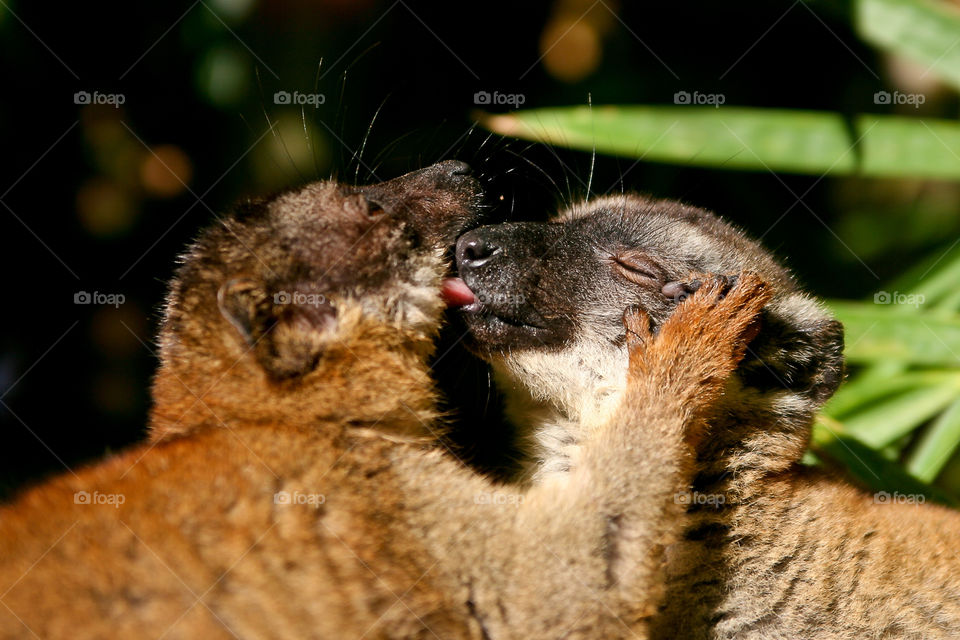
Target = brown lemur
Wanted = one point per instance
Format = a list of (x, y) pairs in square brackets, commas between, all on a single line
[(296, 484), (771, 548)]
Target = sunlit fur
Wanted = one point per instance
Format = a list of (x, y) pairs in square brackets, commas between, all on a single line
[(256, 398), (789, 551)]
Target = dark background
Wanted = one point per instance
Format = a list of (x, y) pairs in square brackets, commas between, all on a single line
[(90, 203)]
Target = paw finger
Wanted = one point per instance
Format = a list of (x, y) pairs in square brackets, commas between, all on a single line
[(637, 323)]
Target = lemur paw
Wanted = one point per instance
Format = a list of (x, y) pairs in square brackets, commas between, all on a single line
[(722, 316), (637, 323), (705, 338), (680, 290)]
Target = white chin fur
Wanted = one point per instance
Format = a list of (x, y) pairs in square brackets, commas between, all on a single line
[(554, 398)]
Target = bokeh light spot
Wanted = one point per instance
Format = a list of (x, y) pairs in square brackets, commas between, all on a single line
[(166, 172), (571, 49), (104, 208), (223, 76)]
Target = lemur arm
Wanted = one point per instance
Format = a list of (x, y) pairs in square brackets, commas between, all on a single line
[(578, 556)]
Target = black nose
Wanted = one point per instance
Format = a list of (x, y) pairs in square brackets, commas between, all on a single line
[(474, 250)]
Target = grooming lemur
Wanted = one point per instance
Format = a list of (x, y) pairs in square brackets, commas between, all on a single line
[(772, 548), (296, 485)]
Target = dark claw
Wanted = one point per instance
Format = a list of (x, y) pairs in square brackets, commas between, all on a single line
[(678, 291)]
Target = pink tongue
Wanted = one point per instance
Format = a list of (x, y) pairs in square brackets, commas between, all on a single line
[(456, 293)]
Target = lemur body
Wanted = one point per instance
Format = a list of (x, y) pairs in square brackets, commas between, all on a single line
[(296, 485), (771, 549)]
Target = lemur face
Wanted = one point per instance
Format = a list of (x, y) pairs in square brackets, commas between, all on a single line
[(284, 268), (550, 296)]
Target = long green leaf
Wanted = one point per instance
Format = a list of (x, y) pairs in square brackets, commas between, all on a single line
[(866, 389), (936, 445), (813, 142), (925, 31), (878, 332), (868, 466), (884, 422), (935, 276), (941, 284)]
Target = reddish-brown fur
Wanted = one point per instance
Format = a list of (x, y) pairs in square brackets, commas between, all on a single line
[(395, 538)]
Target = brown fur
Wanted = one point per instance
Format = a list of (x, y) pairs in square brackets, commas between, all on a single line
[(773, 549), (255, 398)]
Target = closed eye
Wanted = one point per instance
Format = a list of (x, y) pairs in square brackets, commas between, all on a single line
[(637, 267)]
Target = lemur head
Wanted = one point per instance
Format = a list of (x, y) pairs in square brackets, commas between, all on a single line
[(317, 287), (549, 299)]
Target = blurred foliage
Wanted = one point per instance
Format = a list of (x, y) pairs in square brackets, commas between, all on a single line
[(895, 423), (816, 143), (902, 399), (101, 197)]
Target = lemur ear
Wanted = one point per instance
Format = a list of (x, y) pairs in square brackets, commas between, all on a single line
[(238, 299), (800, 349), (286, 331)]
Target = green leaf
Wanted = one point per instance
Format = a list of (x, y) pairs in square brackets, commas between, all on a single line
[(940, 265), (936, 445), (949, 303), (941, 285), (812, 142), (884, 422), (868, 466), (869, 388), (879, 332), (926, 32)]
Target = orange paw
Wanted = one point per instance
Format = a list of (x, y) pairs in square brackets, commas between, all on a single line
[(705, 338)]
